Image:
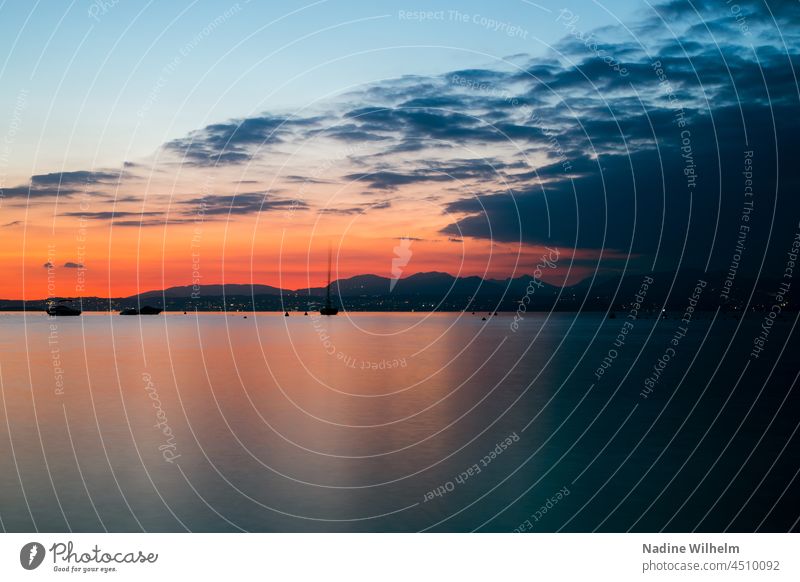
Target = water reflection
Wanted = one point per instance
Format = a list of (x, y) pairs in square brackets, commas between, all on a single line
[(361, 422)]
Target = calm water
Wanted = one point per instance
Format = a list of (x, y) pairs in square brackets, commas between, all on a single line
[(220, 423)]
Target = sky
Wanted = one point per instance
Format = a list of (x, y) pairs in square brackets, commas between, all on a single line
[(148, 145)]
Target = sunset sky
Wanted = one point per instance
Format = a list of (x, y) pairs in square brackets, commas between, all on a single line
[(140, 142)]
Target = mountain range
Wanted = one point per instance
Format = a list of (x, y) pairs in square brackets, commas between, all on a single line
[(444, 292)]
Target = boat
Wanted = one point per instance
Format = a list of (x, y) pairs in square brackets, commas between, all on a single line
[(60, 309), (328, 309), (146, 310)]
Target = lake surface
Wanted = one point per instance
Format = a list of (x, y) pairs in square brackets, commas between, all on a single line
[(396, 422)]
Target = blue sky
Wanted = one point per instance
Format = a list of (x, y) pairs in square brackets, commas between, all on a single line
[(88, 67)]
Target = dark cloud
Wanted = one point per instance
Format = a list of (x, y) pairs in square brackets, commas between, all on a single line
[(413, 127), (37, 191), (346, 132), (385, 180), (305, 180), (71, 265), (755, 10), (152, 222), (456, 169), (627, 188), (236, 141), (210, 208), (356, 209), (61, 184), (641, 202), (110, 214), (77, 178), (239, 204), (341, 211)]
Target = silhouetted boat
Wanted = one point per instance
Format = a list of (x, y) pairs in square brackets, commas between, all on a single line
[(59, 309), (146, 310), (329, 309)]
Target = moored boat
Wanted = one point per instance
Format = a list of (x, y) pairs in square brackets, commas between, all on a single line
[(60, 309), (146, 310)]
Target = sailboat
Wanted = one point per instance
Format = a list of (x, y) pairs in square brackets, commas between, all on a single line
[(329, 309), (60, 308)]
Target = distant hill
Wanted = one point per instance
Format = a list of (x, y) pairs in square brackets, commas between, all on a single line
[(211, 290), (444, 292)]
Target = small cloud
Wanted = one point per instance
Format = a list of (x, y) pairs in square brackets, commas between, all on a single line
[(239, 204), (12, 223), (356, 209), (109, 215), (61, 184), (456, 240), (71, 265), (148, 222), (49, 265), (303, 180), (341, 211), (78, 178)]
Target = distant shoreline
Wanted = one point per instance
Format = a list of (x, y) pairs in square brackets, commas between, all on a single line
[(441, 292), (668, 314)]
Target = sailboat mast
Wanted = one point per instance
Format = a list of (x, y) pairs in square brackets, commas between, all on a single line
[(328, 296), (329, 309)]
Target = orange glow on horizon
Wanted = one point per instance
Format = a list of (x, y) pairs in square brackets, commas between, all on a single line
[(121, 262), (132, 251)]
